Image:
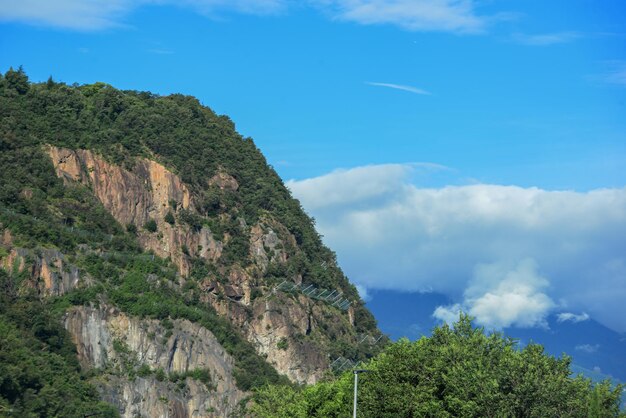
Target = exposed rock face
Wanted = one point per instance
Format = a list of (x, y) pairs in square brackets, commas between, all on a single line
[(131, 197), (100, 332), (137, 196), (224, 181), (266, 246), (274, 325), (7, 238), (15, 260), (145, 192), (276, 332), (50, 273)]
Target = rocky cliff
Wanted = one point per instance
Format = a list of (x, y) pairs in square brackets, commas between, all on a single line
[(110, 340), (161, 239), (47, 269), (149, 192)]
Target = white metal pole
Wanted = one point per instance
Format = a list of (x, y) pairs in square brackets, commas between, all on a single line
[(356, 383)]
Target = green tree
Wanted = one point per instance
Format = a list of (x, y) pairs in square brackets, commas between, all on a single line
[(17, 80)]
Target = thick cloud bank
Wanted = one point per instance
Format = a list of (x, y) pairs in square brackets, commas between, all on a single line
[(508, 255)]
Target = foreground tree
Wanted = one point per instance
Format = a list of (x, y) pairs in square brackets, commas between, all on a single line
[(458, 371)]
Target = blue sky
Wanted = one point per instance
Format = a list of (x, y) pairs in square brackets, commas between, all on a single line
[(472, 149), (520, 95)]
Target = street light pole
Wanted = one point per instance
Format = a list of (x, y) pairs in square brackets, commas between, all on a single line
[(356, 384)]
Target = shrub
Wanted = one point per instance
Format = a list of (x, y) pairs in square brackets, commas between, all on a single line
[(282, 344), (169, 218), (150, 226)]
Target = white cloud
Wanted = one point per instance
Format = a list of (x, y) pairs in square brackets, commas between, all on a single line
[(572, 317), (91, 15), (546, 39), (389, 233), (399, 87), (448, 314), (499, 297), (257, 7), (73, 14), (362, 186), (415, 15), (587, 348)]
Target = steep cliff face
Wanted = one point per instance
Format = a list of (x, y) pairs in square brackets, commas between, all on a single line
[(279, 333), (148, 192), (124, 346), (275, 324), (266, 246)]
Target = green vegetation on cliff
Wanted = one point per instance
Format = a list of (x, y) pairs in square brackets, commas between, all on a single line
[(39, 371), (459, 371)]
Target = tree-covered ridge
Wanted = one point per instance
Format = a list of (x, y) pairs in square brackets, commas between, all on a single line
[(177, 131), (458, 371)]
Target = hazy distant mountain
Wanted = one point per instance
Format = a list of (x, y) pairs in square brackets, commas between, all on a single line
[(592, 346)]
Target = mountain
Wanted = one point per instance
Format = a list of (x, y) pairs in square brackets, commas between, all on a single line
[(153, 262)]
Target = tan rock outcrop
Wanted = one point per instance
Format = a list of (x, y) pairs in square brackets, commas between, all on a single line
[(266, 246), (137, 196), (7, 238), (224, 181), (66, 164)]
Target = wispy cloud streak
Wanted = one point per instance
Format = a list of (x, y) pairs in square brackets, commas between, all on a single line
[(546, 39), (572, 317), (96, 15), (587, 348), (617, 74), (161, 51), (402, 87)]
